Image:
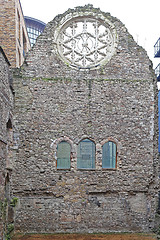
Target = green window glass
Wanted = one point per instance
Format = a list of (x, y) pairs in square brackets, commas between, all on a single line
[(63, 155), (109, 154), (86, 154)]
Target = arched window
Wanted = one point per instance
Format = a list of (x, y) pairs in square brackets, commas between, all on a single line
[(86, 154), (63, 155), (109, 155), (9, 144), (7, 187), (9, 124)]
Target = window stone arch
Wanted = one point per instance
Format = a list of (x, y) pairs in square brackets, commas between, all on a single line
[(63, 144), (9, 133), (110, 152), (109, 155), (63, 155), (86, 154)]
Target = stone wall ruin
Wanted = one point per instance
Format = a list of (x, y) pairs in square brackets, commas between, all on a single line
[(6, 130), (86, 78)]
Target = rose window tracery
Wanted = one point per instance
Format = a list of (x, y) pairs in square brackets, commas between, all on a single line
[(86, 42)]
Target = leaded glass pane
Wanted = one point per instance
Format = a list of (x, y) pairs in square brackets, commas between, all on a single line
[(109, 155), (86, 154), (63, 155)]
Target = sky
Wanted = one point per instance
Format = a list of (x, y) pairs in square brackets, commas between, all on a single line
[(141, 17)]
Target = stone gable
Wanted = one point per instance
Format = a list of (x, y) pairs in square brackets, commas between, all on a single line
[(66, 92)]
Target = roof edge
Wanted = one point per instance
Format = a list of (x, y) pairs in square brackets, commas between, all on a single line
[(34, 19)]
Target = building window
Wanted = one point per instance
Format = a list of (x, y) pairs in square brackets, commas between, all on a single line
[(63, 155), (24, 44), (33, 33), (19, 58), (86, 154), (109, 155), (9, 145), (7, 187), (19, 27)]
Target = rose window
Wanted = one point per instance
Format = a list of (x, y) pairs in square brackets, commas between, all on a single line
[(86, 42)]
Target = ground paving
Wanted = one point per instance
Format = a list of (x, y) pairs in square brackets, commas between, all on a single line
[(85, 237)]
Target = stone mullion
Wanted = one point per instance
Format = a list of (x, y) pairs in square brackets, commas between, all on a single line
[(73, 42), (96, 42)]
